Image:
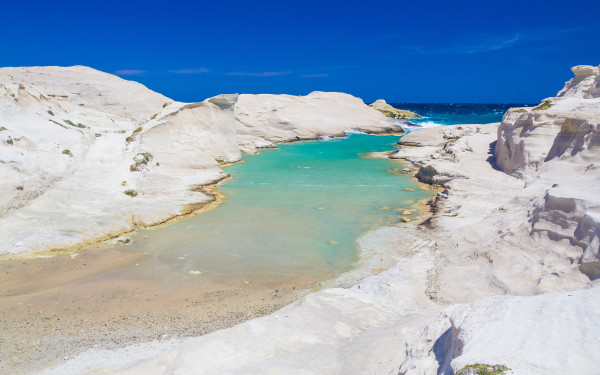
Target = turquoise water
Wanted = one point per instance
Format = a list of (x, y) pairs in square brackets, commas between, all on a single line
[(296, 209)]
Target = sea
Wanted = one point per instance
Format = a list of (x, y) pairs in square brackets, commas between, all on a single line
[(436, 114)]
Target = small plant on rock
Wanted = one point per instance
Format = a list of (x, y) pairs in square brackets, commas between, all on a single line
[(57, 123), (132, 136), (483, 369), (2, 128), (50, 113), (545, 105), (141, 160), (67, 152), (78, 125), (132, 193)]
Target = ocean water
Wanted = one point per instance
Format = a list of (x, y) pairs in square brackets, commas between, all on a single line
[(436, 114), (297, 209)]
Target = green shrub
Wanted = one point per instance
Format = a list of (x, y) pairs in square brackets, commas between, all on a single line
[(2, 128), (78, 125), (483, 369), (153, 116), (98, 135), (132, 193), (50, 113), (57, 123), (545, 105), (67, 152), (554, 185)]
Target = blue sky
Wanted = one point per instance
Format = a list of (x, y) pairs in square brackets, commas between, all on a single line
[(421, 51)]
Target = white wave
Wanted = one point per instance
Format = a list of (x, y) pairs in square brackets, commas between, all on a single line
[(326, 138), (354, 131), (421, 125)]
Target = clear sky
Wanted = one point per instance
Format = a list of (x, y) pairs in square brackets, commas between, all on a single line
[(418, 51)]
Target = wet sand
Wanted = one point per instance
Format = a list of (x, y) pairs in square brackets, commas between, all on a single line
[(105, 297)]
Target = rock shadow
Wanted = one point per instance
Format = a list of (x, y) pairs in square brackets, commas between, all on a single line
[(492, 157), (443, 348)]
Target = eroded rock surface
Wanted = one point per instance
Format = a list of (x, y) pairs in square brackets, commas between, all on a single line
[(546, 240), (282, 118)]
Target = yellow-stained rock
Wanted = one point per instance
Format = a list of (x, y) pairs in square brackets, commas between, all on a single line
[(392, 112)]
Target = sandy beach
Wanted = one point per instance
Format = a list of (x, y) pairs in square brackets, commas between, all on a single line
[(58, 306)]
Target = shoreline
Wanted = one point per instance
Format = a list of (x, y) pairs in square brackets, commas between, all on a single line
[(108, 240), (385, 322), (404, 291), (383, 252), (286, 292), (188, 210)]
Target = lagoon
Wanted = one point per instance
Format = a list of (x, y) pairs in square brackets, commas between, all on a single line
[(297, 209)]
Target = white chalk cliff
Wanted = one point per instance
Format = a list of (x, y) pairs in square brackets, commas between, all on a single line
[(86, 155), (555, 148), (280, 118), (537, 230)]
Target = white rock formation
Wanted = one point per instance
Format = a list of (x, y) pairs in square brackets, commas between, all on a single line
[(557, 151), (74, 140), (553, 149), (472, 288), (392, 112), (281, 118), (539, 335)]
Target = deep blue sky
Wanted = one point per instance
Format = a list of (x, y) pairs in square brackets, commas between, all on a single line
[(419, 51)]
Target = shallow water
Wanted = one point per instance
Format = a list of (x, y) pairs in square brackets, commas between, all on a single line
[(295, 210)]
